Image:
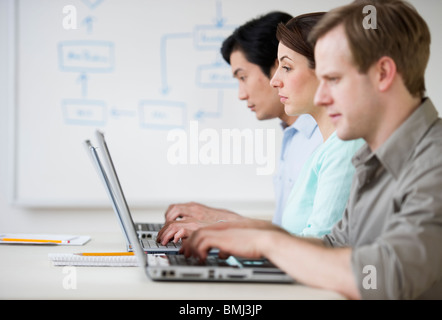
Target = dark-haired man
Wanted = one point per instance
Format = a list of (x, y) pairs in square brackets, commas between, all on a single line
[(251, 52)]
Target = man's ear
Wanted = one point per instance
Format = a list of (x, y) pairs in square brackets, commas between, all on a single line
[(386, 73)]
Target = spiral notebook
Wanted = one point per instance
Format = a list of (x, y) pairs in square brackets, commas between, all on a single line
[(71, 259)]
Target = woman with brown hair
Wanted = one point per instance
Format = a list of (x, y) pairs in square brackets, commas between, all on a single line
[(319, 195)]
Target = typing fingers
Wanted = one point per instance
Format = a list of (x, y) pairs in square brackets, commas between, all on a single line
[(167, 233), (233, 241), (185, 210), (173, 212), (201, 242), (180, 235)]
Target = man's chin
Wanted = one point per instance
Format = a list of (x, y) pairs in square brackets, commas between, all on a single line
[(345, 136), (262, 117)]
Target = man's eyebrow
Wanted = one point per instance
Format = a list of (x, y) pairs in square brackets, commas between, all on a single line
[(236, 72), (328, 73)]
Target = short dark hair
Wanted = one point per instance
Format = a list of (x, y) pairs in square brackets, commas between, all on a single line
[(294, 35), (401, 34), (257, 40)]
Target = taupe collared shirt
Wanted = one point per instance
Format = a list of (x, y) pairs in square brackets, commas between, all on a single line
[(393, 220)]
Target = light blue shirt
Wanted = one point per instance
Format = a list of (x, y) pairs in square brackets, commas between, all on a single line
[(299, 141), (318, 199)]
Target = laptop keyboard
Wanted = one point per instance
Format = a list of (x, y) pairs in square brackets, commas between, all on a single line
[(153, 244), (180, 260), (149, 226)]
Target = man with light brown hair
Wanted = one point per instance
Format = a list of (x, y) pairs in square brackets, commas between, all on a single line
[(387, 246)]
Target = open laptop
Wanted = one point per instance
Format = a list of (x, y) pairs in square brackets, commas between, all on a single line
[(179, 268), (147, 230), (176, 267), (112, 185)]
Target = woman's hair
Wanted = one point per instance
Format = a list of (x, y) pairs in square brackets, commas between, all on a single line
[(401, 34), (294, 35), (257, 40)]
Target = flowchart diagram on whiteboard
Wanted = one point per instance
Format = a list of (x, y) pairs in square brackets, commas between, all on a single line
[(84, 58), (150, 75)]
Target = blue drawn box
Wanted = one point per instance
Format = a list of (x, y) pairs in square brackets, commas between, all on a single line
[(86, 56), (211, 37), (84, 112), (162, 114), (215, 76)]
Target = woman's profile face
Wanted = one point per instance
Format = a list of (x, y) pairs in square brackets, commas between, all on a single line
[(296, 82)]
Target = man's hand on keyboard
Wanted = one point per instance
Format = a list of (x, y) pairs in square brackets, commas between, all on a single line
[(199, 211), (179, 229), (247, 238)]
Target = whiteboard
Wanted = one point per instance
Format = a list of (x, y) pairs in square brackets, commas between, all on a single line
[(149, 75)]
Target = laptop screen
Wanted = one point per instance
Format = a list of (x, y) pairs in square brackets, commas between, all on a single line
[(114, 189)]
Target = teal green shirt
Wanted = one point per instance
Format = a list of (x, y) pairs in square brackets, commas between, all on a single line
[(320, 194)]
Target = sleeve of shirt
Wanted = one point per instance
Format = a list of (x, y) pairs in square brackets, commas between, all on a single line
[(406, 260), (338, 237), (333, 189)]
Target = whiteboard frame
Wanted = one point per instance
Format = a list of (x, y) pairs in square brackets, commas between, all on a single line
[(11, 113), (11, 73)]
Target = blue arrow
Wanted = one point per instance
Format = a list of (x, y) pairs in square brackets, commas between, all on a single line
[(219, 14), (88, 21), (83, 82), (165, 89)]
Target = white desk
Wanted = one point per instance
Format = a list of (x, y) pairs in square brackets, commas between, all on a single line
[(27, 273)]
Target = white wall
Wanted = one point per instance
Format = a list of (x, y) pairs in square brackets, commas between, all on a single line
[(18, 219)]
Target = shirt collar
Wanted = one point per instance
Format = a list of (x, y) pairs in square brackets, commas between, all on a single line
[(304, 124), (398, 148)]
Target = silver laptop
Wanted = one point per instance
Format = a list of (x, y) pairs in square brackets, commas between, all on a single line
[(147, 230), (179, 268), (176, 267), (112, 185)]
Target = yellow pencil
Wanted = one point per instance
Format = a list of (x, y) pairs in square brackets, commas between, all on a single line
[(33, 240), (105, 254)]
